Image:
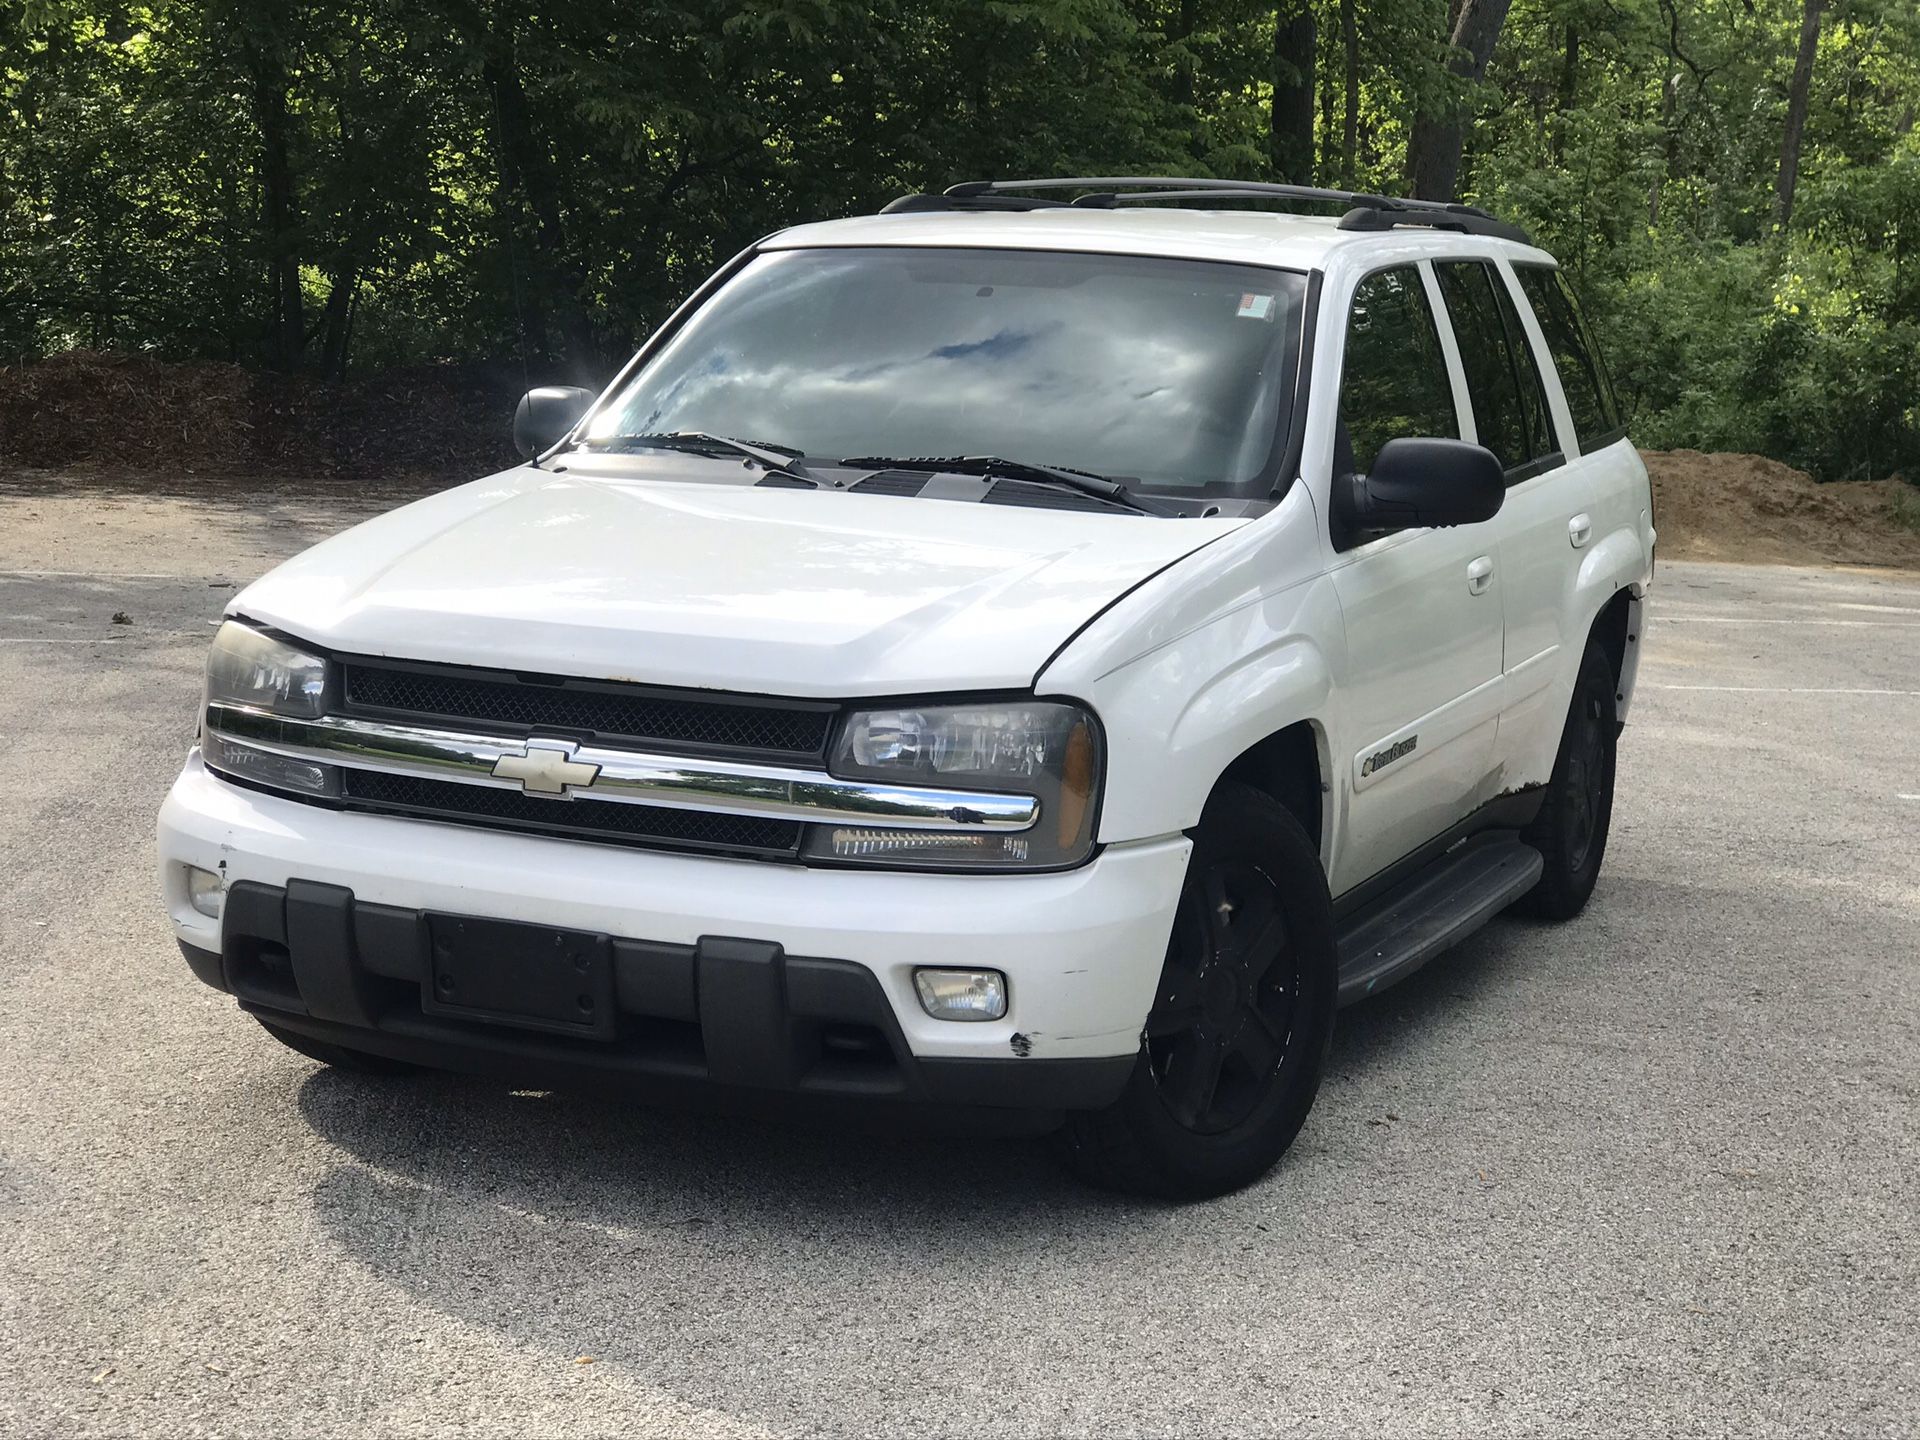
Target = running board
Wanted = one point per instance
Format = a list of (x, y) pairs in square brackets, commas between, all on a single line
[(1442, 904)]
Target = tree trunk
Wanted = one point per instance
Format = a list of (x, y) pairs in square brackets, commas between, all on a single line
[(527, 178), (1433, 152), (1350, 127), (1797, 92), (1568, 94), (233, 268), (286, 325), (1291, 127), (1669, 107), (1183, 87), (346, 341), (1328, 162), (333, 327)]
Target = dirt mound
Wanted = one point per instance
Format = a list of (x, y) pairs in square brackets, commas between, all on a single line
[(1749, 508), (131, 412)]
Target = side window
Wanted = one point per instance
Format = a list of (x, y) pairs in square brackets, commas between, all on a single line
[(1596, 414), (1394, 379), (1503, 383)]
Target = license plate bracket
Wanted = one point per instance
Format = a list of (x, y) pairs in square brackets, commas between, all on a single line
[(532, 977)]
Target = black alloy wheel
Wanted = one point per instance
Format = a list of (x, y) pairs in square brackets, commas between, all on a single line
[(1223, 1017), (1571, 829), (1586, 775), (1237, 1037)]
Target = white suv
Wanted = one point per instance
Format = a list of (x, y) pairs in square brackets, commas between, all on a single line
[(1003, 651)]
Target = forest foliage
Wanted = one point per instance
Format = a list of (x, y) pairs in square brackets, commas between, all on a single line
[(337, 186)]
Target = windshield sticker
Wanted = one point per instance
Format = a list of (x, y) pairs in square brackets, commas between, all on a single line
[(1255, 307)]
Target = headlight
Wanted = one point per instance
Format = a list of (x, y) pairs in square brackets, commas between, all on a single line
[(1041, 748), (248, 668)]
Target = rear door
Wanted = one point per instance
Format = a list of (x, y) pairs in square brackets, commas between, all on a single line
[(1422, 679), (1616, 479), (1545, 522)]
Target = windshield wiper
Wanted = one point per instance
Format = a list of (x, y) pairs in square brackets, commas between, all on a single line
[(1083, 482), (781, 459)]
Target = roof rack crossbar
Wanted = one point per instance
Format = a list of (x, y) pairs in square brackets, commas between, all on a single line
[(1234, 192), (1366, 211), (1181, 183)]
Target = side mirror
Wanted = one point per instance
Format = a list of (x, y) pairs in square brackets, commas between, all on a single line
[(1421, 482), (545, 415)]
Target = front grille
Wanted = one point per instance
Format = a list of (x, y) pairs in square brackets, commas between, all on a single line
[(633, 714), (649, 825)]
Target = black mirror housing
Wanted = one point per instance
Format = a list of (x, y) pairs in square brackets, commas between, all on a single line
[(1421, 482), (545, 415)]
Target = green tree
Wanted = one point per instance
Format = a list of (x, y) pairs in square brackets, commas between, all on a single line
[(328, 186)]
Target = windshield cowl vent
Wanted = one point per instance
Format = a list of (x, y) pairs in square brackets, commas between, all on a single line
[(1045, 497), (893, 482)]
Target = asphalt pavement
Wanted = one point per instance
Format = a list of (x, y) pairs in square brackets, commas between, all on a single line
[(1653, 1171)]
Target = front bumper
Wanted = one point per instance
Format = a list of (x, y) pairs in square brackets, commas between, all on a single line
[(756, 964)]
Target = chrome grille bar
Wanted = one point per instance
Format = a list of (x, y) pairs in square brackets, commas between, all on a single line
[(626, 776)]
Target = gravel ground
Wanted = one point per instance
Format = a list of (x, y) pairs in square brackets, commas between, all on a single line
[(1649, 1172)]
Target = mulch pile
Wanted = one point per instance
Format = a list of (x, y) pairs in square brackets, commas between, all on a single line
[(89, 409)]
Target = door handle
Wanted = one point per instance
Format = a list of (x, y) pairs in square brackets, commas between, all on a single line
[(1580, 530), (1480, 575)]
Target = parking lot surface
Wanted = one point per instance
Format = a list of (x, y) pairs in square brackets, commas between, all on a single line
[(1653, 1171)]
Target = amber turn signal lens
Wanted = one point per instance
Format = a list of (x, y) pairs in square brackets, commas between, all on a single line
[(1076, 787)]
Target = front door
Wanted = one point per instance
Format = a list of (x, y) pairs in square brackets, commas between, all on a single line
[(1422, 680)]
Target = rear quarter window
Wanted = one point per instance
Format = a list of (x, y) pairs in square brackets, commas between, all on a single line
[(1503, 382), (1590, 397)]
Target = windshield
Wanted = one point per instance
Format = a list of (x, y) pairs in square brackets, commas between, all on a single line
[(1175, 374)]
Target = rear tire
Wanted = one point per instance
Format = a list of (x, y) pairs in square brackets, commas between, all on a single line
[(1233, 1050), (1570, 831), (359, 1062)]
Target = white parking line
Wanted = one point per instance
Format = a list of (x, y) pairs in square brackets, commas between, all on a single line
[(90, 575), (1782, 689), (1666, 619)]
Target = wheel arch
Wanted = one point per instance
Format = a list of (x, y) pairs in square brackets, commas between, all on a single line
[(1602, 589), (1616, 629), (1180, 717), (1290, 766)]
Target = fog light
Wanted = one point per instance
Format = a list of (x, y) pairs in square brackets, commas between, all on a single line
[(962, 994), (206, 891)]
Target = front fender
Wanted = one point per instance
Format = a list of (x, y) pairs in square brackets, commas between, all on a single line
[(1177, 717), (1201, 663)]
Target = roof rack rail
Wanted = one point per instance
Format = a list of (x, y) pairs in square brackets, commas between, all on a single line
[(1107, 192)]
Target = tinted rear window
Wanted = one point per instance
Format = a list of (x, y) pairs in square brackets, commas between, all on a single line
[(1596, 413), (1509, 404)]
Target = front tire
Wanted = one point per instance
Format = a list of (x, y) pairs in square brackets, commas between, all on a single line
[(1235, 1045), (1570, 831)]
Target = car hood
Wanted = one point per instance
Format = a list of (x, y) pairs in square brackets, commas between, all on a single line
[(652, 571)]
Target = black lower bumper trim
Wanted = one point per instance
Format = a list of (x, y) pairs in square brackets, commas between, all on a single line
[(726, 1011)]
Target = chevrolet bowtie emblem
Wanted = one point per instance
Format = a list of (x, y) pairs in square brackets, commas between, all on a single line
[(547, 768)]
